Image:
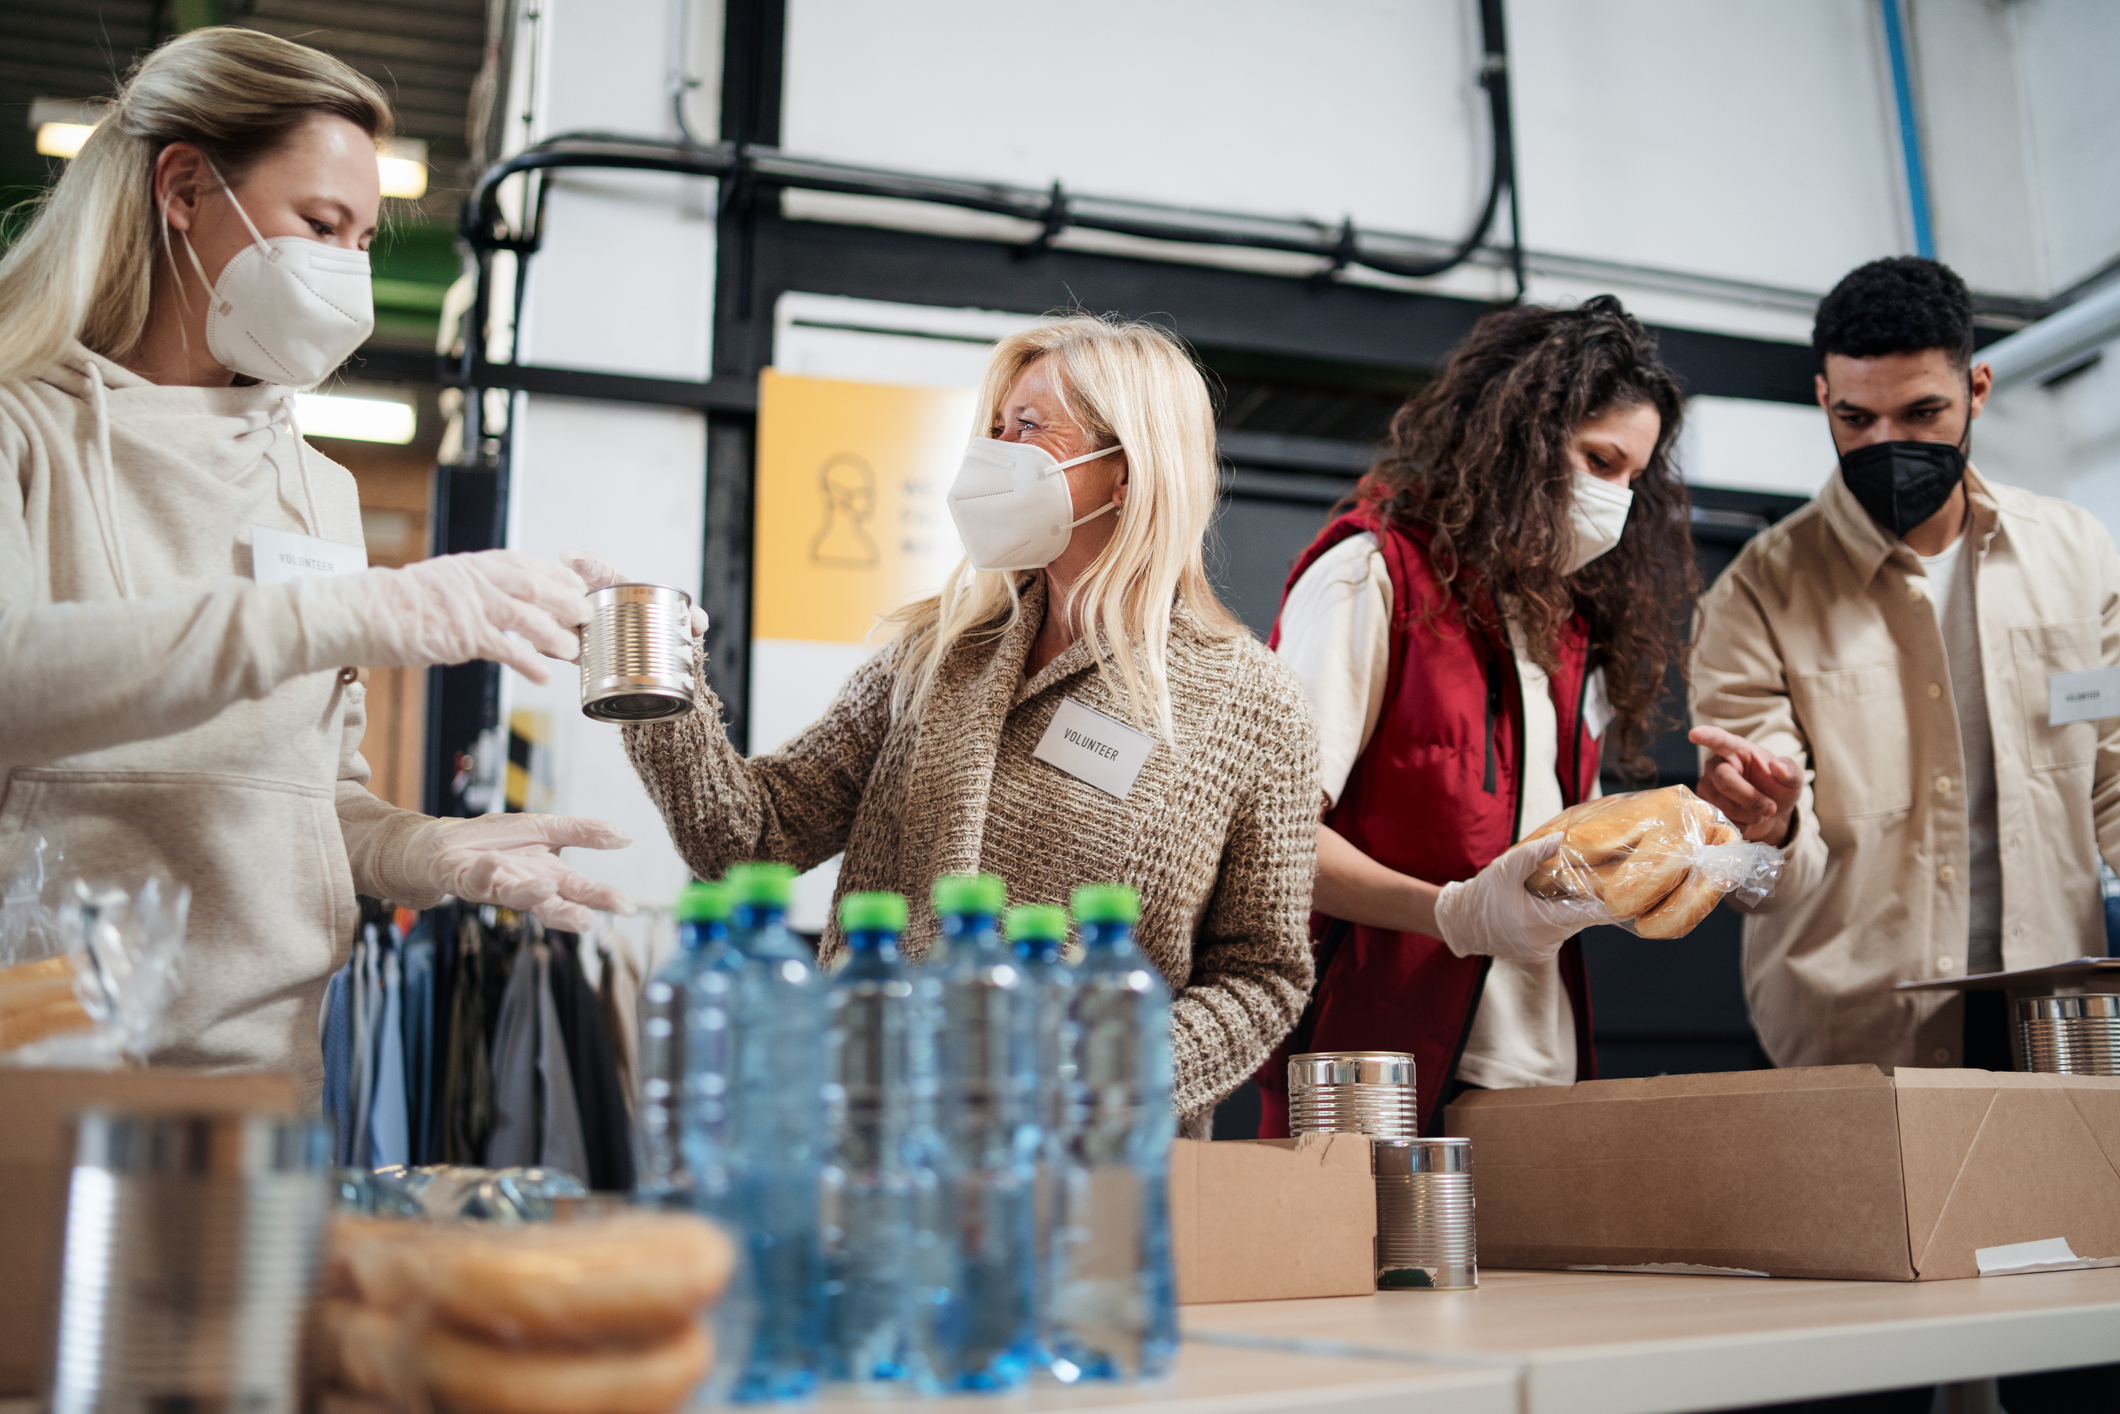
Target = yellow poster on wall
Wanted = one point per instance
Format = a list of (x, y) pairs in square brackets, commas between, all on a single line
[(849, 519)]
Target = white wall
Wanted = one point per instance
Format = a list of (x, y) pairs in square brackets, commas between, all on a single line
[(1750, 141), (624, 284), (2067, 52)]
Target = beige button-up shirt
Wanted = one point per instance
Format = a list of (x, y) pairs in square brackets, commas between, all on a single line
[(1819, 644)]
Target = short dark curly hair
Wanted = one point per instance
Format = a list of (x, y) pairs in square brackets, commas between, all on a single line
[(1903, 304)]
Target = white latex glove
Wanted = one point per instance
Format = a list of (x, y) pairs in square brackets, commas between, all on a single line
[(602, 574), (1491, 914), (513, 861), (454, 608)]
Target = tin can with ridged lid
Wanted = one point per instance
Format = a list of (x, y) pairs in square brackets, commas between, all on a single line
[(637, 653), (2073, 1034), (192, 1250)]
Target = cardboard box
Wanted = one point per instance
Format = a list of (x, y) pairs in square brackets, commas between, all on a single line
[(1273, 1219), (37, 1109), (1838, 1171)]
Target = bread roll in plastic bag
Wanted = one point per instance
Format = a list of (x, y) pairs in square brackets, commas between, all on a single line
[(606, 1313), (87, 968), (1655, 862)]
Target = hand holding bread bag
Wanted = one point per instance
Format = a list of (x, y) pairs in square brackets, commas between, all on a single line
[(1656, 861)]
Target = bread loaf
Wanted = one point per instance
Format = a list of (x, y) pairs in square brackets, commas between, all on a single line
[(1636, 854)]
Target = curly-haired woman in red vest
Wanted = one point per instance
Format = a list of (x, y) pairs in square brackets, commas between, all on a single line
[(1502, 603)]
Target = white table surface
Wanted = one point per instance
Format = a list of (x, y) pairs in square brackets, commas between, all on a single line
[(1611, 1343), (1594, 1343), (1225, 1379)]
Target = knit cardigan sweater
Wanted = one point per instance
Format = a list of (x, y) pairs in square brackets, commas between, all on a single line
[(1219, 832)]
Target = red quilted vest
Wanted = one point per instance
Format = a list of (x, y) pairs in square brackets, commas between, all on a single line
[(1436, 794)]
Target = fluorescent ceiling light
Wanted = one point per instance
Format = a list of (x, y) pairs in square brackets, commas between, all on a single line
[(62, 139), (355, 419), (402, 164)]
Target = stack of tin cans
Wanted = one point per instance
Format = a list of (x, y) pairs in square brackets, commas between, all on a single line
[(2069, 1035), (1424, 1186)]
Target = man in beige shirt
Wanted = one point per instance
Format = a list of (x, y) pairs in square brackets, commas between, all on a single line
[(1909, 686)]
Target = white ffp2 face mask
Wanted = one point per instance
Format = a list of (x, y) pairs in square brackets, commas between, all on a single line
[(1011, 504), (288, 310), (1599, 517)]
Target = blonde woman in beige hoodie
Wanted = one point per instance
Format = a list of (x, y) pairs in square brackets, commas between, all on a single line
[(164, 706)]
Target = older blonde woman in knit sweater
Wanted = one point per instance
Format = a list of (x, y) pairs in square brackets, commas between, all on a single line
[(929, 762)]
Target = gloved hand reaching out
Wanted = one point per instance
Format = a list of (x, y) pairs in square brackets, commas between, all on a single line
[(1491, 914), (454, 608), (513, 861), (602, 574)]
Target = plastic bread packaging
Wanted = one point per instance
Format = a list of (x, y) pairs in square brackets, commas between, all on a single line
[(605, 1312), (87, 968), (1654, 862)]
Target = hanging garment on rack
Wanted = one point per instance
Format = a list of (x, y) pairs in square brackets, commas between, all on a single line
[(513, 1141), (618, 996), (338, 1064), (468, 1089), (363, 1073), (417, 960), (607, 1136), (389, 1132), (560, 1144)]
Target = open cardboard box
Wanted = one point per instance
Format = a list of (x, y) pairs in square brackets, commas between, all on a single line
[(1273, 1219), (1837, 1171), (37, 1109)]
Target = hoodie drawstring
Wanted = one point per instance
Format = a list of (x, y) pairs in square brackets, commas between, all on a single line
[(301, 461), (106, 504)]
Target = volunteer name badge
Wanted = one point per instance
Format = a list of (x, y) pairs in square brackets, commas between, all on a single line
[(2082, 697), (1095, 748), (283, 556)]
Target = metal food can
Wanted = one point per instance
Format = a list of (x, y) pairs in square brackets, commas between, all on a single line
[(1353, 1092), (1425, 1214), (191, 1257), (637, 653), (2069, 1035)]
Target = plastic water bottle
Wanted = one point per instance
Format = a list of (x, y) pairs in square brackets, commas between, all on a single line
[(1037, 932), (986, 1110), (663, 1176), (773, 1145), (1114, 1311), (880, 1322)]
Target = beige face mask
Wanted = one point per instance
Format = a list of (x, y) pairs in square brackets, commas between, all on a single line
[(1599, 517), (289, 310), (1011, 505)]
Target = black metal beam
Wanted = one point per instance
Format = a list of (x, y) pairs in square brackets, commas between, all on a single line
[(753, 62)]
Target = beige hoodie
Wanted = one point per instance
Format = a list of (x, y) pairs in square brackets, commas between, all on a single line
[(159, 711)]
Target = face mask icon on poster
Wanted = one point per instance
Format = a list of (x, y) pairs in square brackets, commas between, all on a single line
[(288, 310), (1599, 518), (1902, 484), (849, 486), (1011, 505)]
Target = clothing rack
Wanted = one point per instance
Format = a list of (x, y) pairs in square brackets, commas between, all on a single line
[(472, 1035)]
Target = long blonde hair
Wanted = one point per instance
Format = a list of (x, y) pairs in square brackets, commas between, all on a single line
[(84, 268), (1121, 381)]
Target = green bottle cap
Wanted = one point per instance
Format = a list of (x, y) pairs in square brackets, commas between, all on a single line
[(1106, 903), (970, 893), (1036, 920), (757, 883), (702, 903), (872, 913)]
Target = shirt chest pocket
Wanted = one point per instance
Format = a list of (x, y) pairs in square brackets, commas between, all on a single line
[(1855, 720), (2038, 652)]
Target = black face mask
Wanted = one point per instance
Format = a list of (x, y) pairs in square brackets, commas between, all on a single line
[(1902, 484)]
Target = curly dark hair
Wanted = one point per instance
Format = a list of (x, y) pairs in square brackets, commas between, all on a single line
[(1477, 462), (1902, 305)]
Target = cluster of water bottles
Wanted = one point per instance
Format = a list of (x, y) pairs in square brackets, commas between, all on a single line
[(950, 1175)]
